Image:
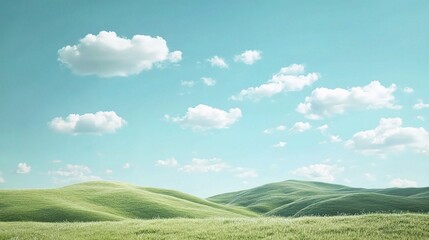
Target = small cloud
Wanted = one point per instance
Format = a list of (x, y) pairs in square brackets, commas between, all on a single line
[(200, 165), (280, 144), (301, 126), (126, 166), (108, 55), (170, 162), (402, 183), (421, 118), (208, 81), (217, 62), (73, 173), (420, 105), (89, 123), (2, 180), (245, 173), (203, 117), (23, 168), (279, 128), (370, 177), (56, 161), (109, 171), (408, 90), (248, 57), (187, 83), (335, 139), (319, 172), (323, 129)]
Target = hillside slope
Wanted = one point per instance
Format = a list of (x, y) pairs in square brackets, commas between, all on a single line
[(301, 198), (102, 201)]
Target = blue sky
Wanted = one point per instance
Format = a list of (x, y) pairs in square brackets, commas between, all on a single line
[(215, 96)]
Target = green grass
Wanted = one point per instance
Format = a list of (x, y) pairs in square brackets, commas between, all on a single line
[(107, 201), (300, 198), (374, 226)]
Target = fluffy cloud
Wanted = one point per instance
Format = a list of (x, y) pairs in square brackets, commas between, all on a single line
[(271, 130), (208, 81), (421, 118), (323, 129), (187, 83), (205, 165), (301, 126), (402, 183), (88, 123), (420, 105), (325, 102), (248, 57), (217, 62), (280, 144), (108, 55), (203, 117), (23, 168), (73, 173), (408, 90), (170, 162), (288, 79), (126, 166), (319, 172), (390, 136), (245, 173)]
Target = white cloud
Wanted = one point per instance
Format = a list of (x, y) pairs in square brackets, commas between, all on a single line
[(108, 55), (208, 81), (248, 57), (2, 180), (56, 161), (301, 126), (370, 177), (88, 123), (245, 173), (271, 130), (319, 172), (170, 162), (323, 129), (187, 83), (421, 118), (203, 117), (288, 79), (23, 168), (402, 183), (420, 105), (109, 171), (280, 144), (408, 90), (73, 173), (335, 138), (205, 165), (217, 62), (325, 102), (390, 136), (126, 166)]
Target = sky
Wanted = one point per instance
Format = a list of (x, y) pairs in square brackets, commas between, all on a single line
[(208, 97)]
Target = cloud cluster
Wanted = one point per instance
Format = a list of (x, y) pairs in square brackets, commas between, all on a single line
[(325, 102), (288, 79), (390, 136), (108, 55), (73, 173), (203, 117), (170, 162), (218, 62), (248, 57), (23, 168), (402, 183), (88, 123), (319, 172)]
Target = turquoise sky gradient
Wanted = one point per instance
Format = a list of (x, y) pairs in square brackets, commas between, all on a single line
[(347, 43)]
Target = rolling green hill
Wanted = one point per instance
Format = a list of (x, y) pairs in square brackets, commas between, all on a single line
[(301, 198), (102, 201)]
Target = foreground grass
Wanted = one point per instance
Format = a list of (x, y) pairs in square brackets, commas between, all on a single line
[(373, 226)]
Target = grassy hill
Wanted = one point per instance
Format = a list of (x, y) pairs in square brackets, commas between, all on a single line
[(373, 226), (301, 198), (103, 201)]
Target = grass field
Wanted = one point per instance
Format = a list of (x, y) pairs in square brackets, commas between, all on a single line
[(374, 226)]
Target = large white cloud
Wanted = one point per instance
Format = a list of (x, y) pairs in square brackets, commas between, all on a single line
[(23, 168), (248, 57), (402, 183), (288, 79), (88, 123), (203, 117), (319, 172), (73, 173), (108, 55), (325, 102), (390, 136), (218, 62)]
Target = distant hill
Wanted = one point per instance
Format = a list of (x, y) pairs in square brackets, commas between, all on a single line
[(102, 201), (301, 198)]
